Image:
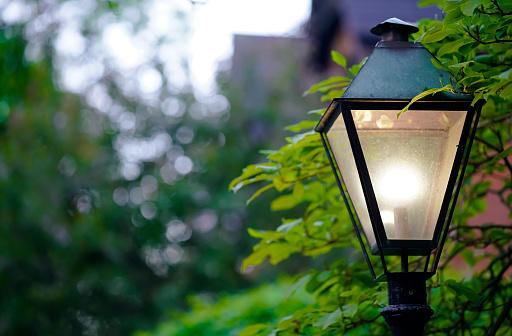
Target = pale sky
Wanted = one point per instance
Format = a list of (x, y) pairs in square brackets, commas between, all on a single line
[(212, 25), (215, 22)]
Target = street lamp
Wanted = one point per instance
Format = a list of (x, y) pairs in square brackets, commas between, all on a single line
[(399, 176)]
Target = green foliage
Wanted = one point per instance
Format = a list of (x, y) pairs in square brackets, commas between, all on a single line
[(100, 233), (474, 43), (247, 314), (67, 258)]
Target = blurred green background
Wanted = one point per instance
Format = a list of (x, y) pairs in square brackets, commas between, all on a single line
[(114, 171), (115, 213)]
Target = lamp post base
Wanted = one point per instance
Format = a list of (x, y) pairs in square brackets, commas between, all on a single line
[(408, 312), (407, 319)]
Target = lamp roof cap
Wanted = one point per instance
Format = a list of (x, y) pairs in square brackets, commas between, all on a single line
[(394, 24)]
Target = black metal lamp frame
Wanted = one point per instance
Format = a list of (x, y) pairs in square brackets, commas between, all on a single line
[(342, 108)]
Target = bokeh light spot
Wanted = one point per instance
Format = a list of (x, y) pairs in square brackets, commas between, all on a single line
[(183, 165)]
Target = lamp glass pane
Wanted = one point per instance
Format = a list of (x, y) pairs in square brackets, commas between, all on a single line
[(340, 146), (409, 160)]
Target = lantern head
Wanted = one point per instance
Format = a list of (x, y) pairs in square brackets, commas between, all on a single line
[(399, 173)]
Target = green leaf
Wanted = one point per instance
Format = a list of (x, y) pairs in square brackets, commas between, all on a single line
[(264, 234), (469, 7), (461, 290), (318, 111), (498, 234), (277, 252), (328, 319), (114, 5), (502, 155), (458, 66), (259, 192), (336, 80), (357, 67), (298, 190), (478, 96), (332, 95), (327, 284), (505, 74), (338, 58), (305, 124), (507, 91), (381, 298), (301, 284), (453, 15), (333, 86), (318, 251), (252, 170), (280, 185), (284, 202), (253, 329), (486, 59), (469, 257), (354, 69), (288, 322), (258, 178), (452, 47), (285, 228), (349, 310), (479, 205), (424, 94), (437, 36), (299, 137), (468, 48), (289, 174), (439, 65), (313, 283)]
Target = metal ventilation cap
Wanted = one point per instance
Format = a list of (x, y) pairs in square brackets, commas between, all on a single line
[(394, 30)]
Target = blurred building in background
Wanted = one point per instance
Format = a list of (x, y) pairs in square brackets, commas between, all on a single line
[(344, 25), (264, 68)]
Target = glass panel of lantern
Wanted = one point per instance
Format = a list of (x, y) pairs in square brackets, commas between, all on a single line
[(409, 160)]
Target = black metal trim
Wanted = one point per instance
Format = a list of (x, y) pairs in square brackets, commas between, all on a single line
[(426, 105), (448, 194), (334, 110), (364, 177), (476, 115), (330, 116), (414, 247)]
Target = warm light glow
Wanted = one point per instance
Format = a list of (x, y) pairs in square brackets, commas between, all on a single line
[(400, 185), (388, 217)]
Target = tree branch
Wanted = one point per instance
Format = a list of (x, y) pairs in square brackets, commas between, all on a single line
[(503, 315), (479, 40), (481, 228)]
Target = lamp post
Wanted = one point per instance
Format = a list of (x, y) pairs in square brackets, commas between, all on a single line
[(399, 176)]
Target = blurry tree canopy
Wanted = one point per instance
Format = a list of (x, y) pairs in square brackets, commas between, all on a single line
[(230, 315), (471, 293), (114, 173)]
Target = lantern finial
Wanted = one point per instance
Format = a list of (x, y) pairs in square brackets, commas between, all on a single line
[(394, 30)]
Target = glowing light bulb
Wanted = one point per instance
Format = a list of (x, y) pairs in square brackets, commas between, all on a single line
[(388, 217), (400, 185)]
